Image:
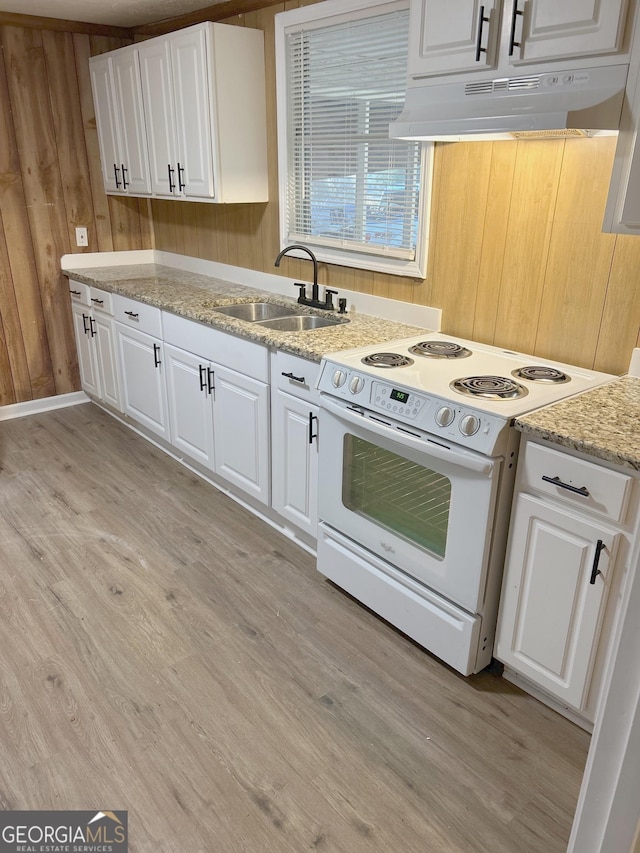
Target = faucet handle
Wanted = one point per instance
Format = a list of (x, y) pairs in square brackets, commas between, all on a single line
[(328, 301), (303, 290)]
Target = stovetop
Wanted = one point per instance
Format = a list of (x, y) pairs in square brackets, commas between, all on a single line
[(439, 394)]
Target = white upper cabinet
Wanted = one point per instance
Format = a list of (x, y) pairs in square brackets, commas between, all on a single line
[(547, 29), (461, 36), (203, 107), (450, 36), (157, 86), (117, 96)]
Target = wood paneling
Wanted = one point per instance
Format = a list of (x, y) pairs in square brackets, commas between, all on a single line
[(50, 182), (516, 254)]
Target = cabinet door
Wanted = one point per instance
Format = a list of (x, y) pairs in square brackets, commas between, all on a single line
[(294, 456), (190, 407), (553, 599), (134, 156), (241, 431), (159, 113), (143, 388), (106, 122), (449, 36), (548, 29), (105, 345), (192, 112), (87, 358)]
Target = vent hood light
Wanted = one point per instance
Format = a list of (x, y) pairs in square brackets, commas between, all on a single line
[(585, 102)]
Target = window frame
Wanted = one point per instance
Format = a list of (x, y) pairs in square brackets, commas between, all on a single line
[(321, 15)]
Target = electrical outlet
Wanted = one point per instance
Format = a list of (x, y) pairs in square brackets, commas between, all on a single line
[(81, 237)]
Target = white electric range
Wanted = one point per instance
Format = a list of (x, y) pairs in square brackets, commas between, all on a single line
[(417, 461)]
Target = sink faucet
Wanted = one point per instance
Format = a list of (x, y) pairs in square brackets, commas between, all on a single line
[(314, 302)]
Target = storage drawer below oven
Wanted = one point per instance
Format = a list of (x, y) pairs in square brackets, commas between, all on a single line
[(448, 632)]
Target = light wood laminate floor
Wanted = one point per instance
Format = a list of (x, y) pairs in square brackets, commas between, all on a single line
[(165, 652)]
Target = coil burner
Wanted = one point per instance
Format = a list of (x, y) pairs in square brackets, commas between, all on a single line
[(489, 387), (541, 373), (440, 349), (387, 359)]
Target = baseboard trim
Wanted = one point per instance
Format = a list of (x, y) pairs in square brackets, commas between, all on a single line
[(47, 404)]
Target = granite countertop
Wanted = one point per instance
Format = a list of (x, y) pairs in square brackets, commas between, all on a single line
[(196, 297), (603, 422)]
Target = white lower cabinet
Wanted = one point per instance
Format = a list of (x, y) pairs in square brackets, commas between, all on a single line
[(190, 405), (95, 340), (552, 607), (295, 430), (219, 403), (144, 396), (557, 607), (141, 363)]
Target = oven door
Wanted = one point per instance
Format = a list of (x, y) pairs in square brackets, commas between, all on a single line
[(424, 507)]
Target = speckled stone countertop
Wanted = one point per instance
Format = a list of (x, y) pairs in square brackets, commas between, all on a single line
[(196, 297), (603, 422)]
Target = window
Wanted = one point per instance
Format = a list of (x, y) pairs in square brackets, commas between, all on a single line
[(347, 191)]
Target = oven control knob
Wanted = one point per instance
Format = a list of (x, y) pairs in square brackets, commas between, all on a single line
[(338, 378), (445, 416), (469, 425), (356, 385)]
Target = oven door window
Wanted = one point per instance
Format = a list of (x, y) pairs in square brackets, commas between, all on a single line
[(400, 495)]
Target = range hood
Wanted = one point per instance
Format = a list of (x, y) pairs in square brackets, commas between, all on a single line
[(585, 102)]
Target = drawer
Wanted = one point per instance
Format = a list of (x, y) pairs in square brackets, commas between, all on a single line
[(138, 315), (79, 292), (575, 482), (247, 357), (295, 375), (101, 300)]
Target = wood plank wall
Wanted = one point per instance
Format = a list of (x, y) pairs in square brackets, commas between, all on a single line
[(50, 183), (517, 257)]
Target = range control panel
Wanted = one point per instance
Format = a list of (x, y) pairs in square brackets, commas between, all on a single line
[(442, 419)]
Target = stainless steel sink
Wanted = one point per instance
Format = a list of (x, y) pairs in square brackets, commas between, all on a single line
[(255, 312), (301, 323)]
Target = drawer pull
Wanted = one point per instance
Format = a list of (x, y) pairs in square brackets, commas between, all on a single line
[(556, 481), (132, 314), (595, 571), (299, 379), (75, 292), (97, 301)]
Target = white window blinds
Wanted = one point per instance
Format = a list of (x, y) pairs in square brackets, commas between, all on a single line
[(349, 186)]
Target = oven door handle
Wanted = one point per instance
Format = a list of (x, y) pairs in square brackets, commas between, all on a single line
[(455, 456)]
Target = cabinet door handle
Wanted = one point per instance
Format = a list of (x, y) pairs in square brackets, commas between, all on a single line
[(481, 22), (312, 435), (125, 183), (512, 35), (211, 383), (85, 317), (181, 183), (132, 314), (172, 185), (115, 172), (92, 327), (203, 377), (595, 571), (299, 379), (156, 355), (579, 490)]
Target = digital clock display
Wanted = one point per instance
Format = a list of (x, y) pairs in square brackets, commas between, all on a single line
[(400, 396)]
